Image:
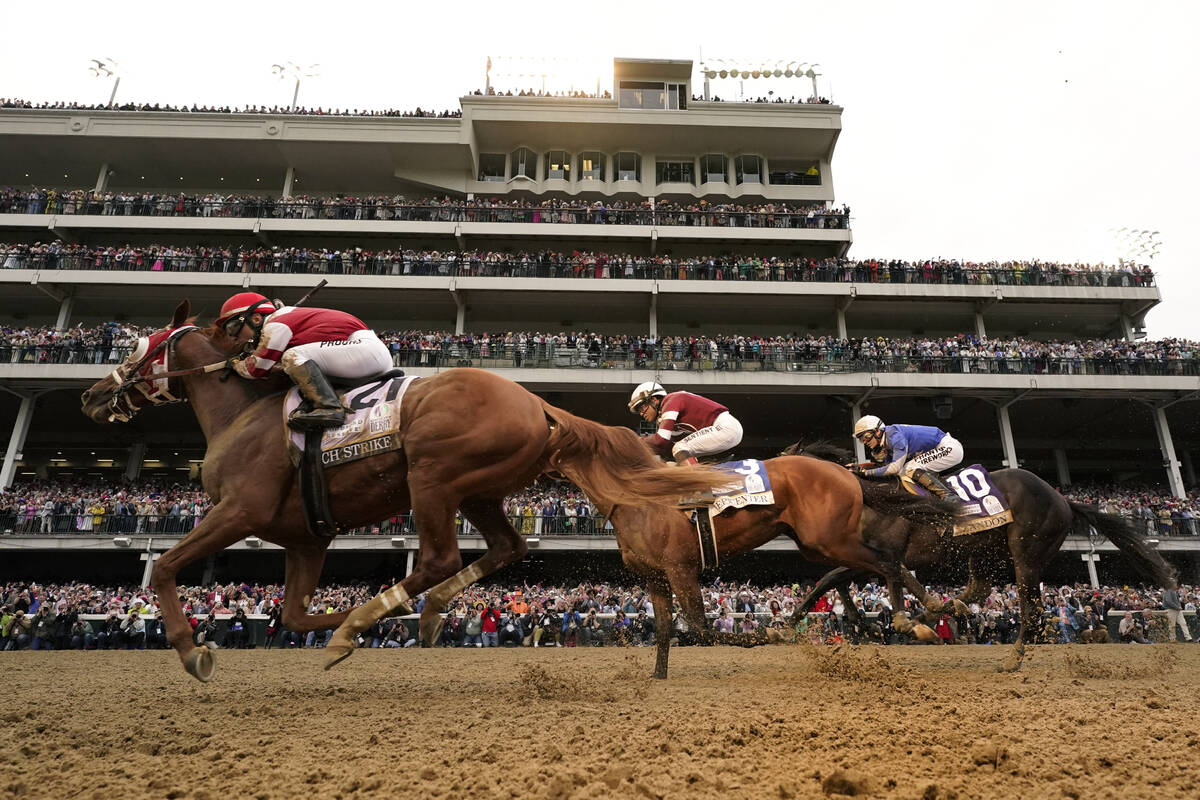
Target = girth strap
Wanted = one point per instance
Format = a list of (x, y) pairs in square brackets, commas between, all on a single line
[(707, 534)]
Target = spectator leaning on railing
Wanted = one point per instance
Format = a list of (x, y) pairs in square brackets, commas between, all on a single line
[(205, 109), (576, 264)]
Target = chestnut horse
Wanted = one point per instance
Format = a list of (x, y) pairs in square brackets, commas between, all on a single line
[(469, 438), (818, 505), (1042, 519)]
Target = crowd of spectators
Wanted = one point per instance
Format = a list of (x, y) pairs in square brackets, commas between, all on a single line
[(1160, 512), (80, 506), (12, 102), (52, 616), (648, 211), (963, 353), (580, 264), (547, 508), (574, 94), (812, 99)]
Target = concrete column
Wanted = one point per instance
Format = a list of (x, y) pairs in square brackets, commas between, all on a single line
[(1064, 471), (16, 441), (654, 311), (860, 452), (410, 559), (210, 571), (841, 321), (102, 178), (1127, 328), (1006, 437), (1189, 468), (289, 178), (980, 328), (149, 557), (1165, 443), (64, 313), (133, 467), (460, 313), (1091, 559)]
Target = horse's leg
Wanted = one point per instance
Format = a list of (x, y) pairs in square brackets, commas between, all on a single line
[(505, 546), (660, 598), (1031, 612), (302, 572), (223, 525), (853, 618), (686, 586), (439, 558), (829, 580), (978, 586)]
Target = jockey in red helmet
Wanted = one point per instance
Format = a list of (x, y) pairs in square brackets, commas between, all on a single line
[(308, 344)]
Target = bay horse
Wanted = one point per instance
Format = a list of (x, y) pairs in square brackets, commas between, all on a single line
[(1042, 520), (469, 437), (819, 505)]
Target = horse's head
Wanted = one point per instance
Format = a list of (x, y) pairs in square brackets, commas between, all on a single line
[(132, 385)]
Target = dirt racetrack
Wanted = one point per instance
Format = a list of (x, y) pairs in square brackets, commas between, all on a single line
[(783, 721)]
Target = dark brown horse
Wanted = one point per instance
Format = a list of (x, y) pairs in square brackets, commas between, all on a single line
[(818, 505), (1042, 519), (469, 437)]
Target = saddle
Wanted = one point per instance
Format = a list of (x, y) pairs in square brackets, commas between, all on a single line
[(749, 485), (372, 427), (982, 506)]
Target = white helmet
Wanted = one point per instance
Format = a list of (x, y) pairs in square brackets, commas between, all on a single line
[(866, 424), (644, 392)]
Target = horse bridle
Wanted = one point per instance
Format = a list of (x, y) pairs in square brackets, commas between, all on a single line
[(128, 376)]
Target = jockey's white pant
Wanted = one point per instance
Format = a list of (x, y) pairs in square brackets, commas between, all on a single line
[(723, 434), (948, 453), (360, 356)]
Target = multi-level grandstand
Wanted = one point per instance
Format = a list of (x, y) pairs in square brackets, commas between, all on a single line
[(699, 239)]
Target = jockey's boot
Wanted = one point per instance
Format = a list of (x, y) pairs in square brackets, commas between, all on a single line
[(322, 407), (934, 484)]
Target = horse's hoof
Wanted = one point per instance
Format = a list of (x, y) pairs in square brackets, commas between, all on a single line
[(211, 645), (201, 664), (924, 633), (659, 676), (337, 653), (429, 638)]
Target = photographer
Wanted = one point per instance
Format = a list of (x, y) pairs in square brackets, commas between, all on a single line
[(110, 632), (206, 630), (20, 631), (43, 629), (511, 632), (546, 630), (81, 635), (489, 623), (238, 636), (133, 631), (571, 623), (473, 626), (274, 623), (590, 632)]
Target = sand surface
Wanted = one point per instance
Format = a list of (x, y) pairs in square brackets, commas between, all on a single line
[(782, 721)]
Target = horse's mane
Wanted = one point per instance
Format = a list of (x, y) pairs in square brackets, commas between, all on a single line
[(824, 450), (883, 496)]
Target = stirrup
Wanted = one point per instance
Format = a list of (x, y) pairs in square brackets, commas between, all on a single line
[(317, 419)]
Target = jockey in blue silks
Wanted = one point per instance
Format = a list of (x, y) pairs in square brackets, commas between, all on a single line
[(918, 451)]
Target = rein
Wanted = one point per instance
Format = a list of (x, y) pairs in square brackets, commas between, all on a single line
[(120, 406)]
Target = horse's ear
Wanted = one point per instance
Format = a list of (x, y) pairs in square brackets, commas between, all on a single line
[(181, 314)]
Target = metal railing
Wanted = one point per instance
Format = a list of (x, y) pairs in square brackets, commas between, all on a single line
[(352, 261), (386, 210), (706, 358)]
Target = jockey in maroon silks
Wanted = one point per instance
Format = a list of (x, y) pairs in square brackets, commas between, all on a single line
[(309, 344), (689, 425)]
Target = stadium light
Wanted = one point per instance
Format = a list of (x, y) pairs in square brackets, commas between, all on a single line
[(397, 541), (289, 70), (254, 542), (121, 541), (107, 68)]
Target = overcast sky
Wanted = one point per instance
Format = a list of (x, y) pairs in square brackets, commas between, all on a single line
[(971, 130)]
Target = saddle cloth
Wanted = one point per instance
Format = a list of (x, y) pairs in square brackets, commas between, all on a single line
[(372, 422), (751, 487), (984, 506)]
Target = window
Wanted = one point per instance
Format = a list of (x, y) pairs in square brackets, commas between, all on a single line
[(628, 166), (524, 163), (491, 167), (677, 96), (591, 166), (642, 94), (713, 169), (794, 173), (675, 172), (558, 165), (748, 169)]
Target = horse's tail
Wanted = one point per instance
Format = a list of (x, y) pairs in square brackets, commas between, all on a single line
[(1128, 539), (613, 466)]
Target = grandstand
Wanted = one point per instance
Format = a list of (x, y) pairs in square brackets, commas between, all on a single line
[(726, 210)]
